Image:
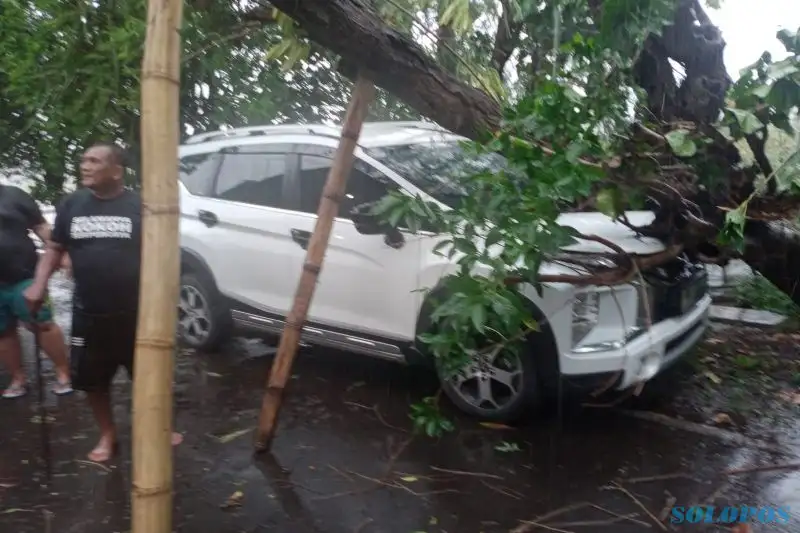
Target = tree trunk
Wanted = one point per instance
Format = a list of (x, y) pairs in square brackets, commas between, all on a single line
[(155, 343), (351, 29), (335, 186)]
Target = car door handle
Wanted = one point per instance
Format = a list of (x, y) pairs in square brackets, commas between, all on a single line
[(301, 237), (207, 217)]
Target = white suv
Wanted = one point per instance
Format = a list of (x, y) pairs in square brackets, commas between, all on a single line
[(248, 203)]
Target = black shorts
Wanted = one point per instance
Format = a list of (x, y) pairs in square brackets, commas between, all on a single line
[(100, 344)]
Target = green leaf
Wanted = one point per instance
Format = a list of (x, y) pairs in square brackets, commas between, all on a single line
[(681, 143), (787, 176), (782, 69), (609, 202), (457, 16), (762, 91), (279, 49), (732, 233), (747, 121), (478, 317)]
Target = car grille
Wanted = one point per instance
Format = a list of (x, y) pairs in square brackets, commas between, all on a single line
[(675, 288)]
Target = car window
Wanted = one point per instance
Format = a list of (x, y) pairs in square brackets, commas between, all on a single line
[(365, 184), (252, 176), (197, 172)]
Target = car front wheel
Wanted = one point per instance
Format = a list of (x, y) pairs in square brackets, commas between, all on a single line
[(499, 388)]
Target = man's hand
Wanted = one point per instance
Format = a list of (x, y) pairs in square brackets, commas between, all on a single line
[(66, 265), (34, 297)]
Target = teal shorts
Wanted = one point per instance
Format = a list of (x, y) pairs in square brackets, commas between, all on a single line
[(13, 308)]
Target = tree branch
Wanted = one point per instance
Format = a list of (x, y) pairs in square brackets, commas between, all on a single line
[(506, 38), (351, 29)]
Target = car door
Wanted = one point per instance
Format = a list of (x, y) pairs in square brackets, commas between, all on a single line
[(365, 285), (245, 238)]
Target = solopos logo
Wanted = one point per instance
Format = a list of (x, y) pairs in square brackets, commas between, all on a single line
[(101, 227), (729, 515)]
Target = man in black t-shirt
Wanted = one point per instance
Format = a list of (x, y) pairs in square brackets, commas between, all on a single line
[(100, 226), (19, 214)]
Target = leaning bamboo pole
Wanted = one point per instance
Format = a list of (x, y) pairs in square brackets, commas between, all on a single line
[(335, 187), (151, 495)]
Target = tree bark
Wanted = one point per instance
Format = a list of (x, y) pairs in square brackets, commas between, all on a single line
[(151, 496), (351, 29)]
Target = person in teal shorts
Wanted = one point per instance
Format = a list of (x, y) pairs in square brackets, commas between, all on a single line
[(19, 214)]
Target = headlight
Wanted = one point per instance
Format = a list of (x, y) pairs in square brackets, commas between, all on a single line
[(585, 315)]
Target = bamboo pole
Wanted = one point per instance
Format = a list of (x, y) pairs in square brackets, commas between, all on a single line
[(151, 495), (335, 187)]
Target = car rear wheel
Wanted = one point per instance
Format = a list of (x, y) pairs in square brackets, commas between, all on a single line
[(203, 322)]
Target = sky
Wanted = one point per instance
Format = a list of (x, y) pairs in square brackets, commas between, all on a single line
[(749, 28)]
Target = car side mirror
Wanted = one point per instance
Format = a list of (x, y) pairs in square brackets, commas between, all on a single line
[(366, 223)]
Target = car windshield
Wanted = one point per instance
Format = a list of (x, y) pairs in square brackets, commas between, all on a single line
[(440, 169)]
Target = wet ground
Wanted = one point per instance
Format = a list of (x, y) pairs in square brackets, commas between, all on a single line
[(343, 462)]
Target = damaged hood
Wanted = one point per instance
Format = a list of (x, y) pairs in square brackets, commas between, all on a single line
[(604, 226)]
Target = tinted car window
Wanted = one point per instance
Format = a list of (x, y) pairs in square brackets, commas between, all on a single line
[(252, 177), (197, 172), (365, 184)]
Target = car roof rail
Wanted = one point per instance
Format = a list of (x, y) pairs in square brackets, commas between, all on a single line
[(259, 131), (312, 129)]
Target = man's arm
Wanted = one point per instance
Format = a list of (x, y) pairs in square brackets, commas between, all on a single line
[(42, 231), (52, 258)]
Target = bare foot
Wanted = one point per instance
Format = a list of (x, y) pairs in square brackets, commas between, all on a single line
[(177, 438), (104, 450)]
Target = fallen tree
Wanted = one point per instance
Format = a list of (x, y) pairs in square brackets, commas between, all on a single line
[(691, 171)]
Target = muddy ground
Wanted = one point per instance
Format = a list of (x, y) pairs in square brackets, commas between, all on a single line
[(336, 465)]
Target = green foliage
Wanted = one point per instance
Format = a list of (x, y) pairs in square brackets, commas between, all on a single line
[(758, 293), (681, 143), (765, 98), (70, 73), (428, 420)]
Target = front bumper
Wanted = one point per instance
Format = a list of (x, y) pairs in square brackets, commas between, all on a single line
[(646, 355)]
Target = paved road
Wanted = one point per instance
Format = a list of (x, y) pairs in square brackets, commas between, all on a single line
[(344, 419)]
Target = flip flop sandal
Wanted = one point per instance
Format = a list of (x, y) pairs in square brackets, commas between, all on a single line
[(62, 389), (15, 391)]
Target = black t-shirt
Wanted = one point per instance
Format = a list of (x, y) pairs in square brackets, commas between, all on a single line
[(104, 240), (18, 214)]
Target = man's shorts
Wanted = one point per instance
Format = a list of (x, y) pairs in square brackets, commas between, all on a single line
[(101, 344), (14, 309)]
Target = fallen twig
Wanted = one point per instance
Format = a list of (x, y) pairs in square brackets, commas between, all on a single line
[(93, 463), (607, 522), (612, 513), (466, 473), (362, 525), (378, 415), (661, 477), (701, 429), (766, 468), (505, 491), (668, 505), (634, 499), (544, 526), (528, 525)]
